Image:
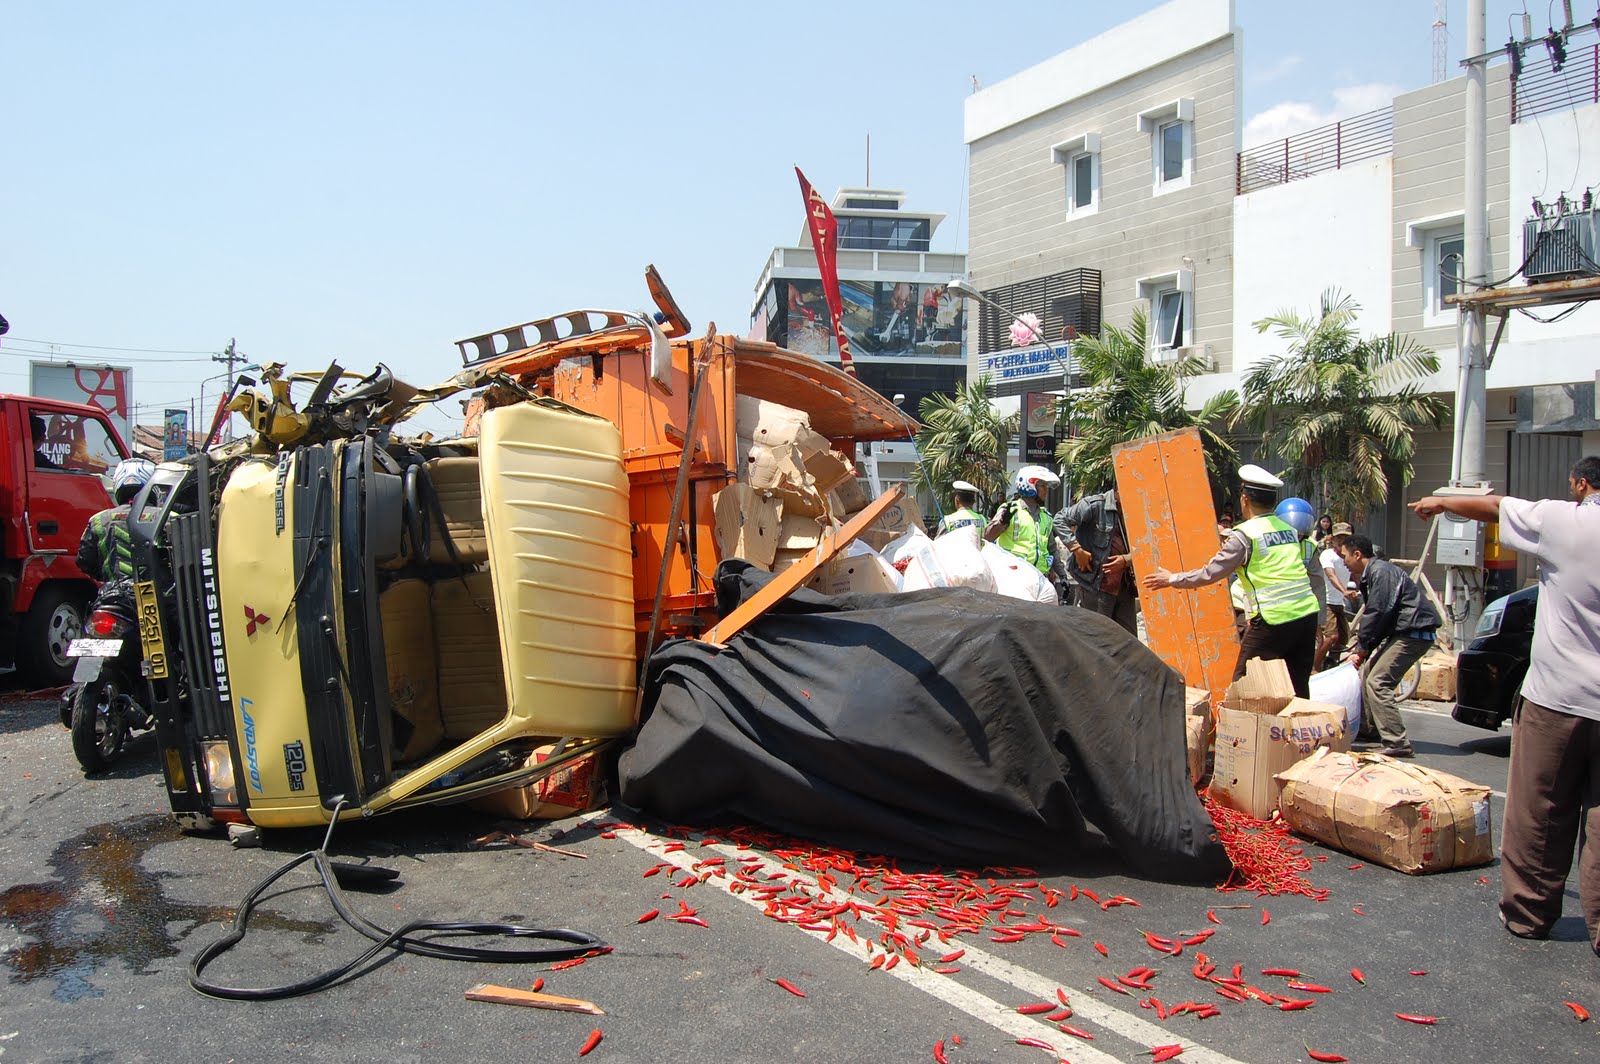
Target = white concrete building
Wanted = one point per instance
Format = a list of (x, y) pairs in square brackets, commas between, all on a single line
[(1122, 155)]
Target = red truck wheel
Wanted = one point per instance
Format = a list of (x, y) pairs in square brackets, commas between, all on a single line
[(52, 622)]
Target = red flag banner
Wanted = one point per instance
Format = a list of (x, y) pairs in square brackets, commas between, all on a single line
[(824, 239)]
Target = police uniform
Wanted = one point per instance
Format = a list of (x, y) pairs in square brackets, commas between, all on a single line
[(963, 516), (1266, 554)]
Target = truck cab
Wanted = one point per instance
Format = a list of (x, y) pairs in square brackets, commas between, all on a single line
[(52, 480)]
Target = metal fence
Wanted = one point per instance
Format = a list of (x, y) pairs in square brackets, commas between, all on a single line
[(1364, 136), (1540, 89)]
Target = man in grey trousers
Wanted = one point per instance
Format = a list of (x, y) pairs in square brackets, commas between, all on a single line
[(1554, 790), (1397, 628)]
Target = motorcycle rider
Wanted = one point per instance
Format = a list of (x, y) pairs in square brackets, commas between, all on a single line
[(105, 553)]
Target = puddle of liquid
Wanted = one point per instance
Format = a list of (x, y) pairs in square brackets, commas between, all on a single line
[(105, 908)]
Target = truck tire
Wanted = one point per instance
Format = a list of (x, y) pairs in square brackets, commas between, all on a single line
[(51, 624)]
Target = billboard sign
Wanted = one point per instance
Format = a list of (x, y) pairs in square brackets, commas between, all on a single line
[(175, 435), (1039, 427), (108, 387), (878, 317)]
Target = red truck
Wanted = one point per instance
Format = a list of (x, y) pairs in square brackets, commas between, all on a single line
[(52, 461)]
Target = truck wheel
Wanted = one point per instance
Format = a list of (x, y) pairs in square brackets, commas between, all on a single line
[(51, 624)]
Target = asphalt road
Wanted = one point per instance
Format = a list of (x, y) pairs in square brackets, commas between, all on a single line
[(103, 904)]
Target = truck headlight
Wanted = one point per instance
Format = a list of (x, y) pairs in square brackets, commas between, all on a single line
[(219, 773), (1489, 620)]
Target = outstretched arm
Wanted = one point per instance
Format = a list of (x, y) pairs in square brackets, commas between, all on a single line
[(1473, 507)]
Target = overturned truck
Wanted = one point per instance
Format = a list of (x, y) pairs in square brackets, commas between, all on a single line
[(332, 609)]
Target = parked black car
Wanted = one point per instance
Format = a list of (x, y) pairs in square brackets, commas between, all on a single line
[(1489, 671)]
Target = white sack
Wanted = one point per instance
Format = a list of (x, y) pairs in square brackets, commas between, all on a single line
[(1015, 577), (1340, 686)]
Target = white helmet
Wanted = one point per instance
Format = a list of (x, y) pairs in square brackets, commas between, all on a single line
[(1028, 479), (130, 475)]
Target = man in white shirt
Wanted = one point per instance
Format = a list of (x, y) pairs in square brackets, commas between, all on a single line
[(1554, 790), (1339, 594)]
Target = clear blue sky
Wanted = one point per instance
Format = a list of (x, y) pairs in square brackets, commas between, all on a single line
[(375, 180)]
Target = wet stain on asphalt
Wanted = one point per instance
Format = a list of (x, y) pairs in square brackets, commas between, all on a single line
[(105, 907)]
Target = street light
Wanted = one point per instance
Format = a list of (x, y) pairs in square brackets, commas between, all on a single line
[(962, 289)]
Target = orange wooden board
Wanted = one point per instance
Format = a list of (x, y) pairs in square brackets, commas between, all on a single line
[(1165, 497)]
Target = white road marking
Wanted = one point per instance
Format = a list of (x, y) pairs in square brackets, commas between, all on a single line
[(979, 1006)]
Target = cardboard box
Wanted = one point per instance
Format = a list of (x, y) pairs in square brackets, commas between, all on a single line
[(896, 520), (748, 523), (1199, 731), (848, 496), (1438, 680), (775, 425), (799, 532), (851, 573), (1403, 816), (829, 469), (575, 787), (1263, 729)]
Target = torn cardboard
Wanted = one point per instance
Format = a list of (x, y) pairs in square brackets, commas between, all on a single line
[(1403, 816), (748, 524), (1198, 731), (1263, 729)]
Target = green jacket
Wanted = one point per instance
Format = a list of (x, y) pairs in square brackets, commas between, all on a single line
[(106, 550)]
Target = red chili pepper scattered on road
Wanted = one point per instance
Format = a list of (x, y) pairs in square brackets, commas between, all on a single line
[(590, 1042), (1160, 1053), (1356, 866), (1212, 916), (1091, 895), (1059, 1015), (1357, 910), (1110, 985), (1297, 1005), (1416, 972), (1326, 1058), (1036, 1043), (1308, 988), (948, 969), (1101, 949), (1426, 1021), (952, 956), (1289, 973), (1578, 1011), (1076, 1032), (562, 965), (1037, 1007), (651, 915), (538, 984), (1266, 918), (790, 987), (1061, 995), (938, 1052), (1355, 973)]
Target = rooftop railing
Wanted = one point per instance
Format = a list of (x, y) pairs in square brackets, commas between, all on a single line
[(1350, 140), (1540, 90)]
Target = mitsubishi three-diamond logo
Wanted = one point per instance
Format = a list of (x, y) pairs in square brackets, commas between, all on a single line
[(254, 620)]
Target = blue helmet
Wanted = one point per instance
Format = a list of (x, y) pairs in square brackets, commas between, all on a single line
[(1296, 513)]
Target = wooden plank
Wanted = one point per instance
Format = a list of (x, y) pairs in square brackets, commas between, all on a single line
[(1165, 497), (510, 995), (798, 573)]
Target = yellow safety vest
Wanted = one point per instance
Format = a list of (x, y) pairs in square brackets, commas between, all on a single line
[(1274, 576), (1027, 539), (961, 519)]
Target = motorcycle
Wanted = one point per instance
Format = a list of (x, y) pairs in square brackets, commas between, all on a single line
[(99, 706)]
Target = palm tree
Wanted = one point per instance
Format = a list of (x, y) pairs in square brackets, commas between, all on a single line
[(963, 438), (1334, 406), (1128, 397)]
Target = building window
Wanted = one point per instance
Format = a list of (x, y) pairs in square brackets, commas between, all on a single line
[(1442, 261), (1170, 127), (1079, 158), (1171, 314)]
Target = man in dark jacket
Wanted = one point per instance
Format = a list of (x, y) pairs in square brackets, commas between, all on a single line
[(1098, 560), (1397, 627), (105, 552)]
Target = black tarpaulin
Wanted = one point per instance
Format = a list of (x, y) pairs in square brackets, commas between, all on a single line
[(942, 725)]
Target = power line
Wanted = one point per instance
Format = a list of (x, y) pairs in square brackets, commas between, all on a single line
[(101, 347)]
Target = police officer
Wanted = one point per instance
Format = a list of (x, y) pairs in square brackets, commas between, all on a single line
[(1023, 526), (1266, 553), (105, 553), (965, 515)]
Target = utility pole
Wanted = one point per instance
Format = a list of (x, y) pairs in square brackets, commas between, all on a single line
[(1441, 40), (1464, 590), (230, 356)]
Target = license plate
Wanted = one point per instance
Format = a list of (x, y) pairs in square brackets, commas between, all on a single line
[(155, 651), (94, 648)]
